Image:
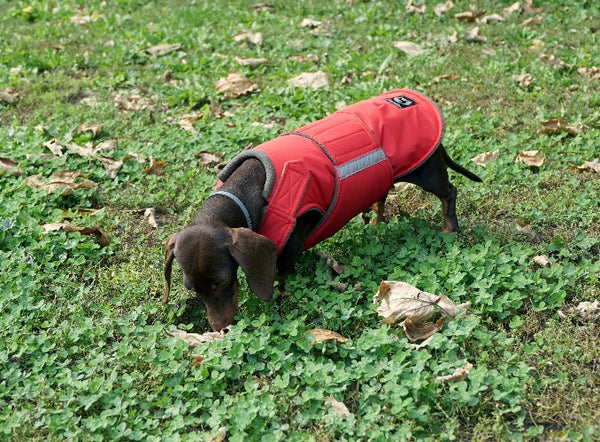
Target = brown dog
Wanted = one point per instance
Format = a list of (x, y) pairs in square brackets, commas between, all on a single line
[(286, 195)]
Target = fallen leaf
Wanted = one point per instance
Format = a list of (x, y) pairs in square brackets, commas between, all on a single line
[(255, 38), (135, 156), (469, 16), (533, 21), (484, 158), (8, 165), (311, 58), (460, 374), (588, 310), (81, 19), (162, 49), (149, 214), (525, 229), (235, 85), (417, 331), (418, 8), (423, 344), (474, 35), (156, 167), (106, 145), (542, 261), (312, 80), (537, 44), (492, 18), (187, 121), (197, 360), (321, 335), (93, 128), (524, 80), (593, 72), (263, 7), (442, 8), (588, 165), (561, 125), (67, 181), (111, 165), (197, 339), (252, 62), (103, 238), (310, 23), (512, 8), (408, 47), (209, 159), (9, 96), (133, 102), (55, 146), (221, 435), (447, 77), (555, 62), (338, 407), (531, 158)]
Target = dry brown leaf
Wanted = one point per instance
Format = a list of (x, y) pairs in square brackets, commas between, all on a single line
[(235, 85), (162, 49), (156, 167), (311, 58), (592, 72), (338, 407), (312, 80), (512, 8), (442, 8), (484, 158), (252, 62), (446, 77), (263, 7), (93, 128), (67, 181), (221, 435), (533, 21), (469, 16), (417, 331), (111, 165), (542, 261), (134, 102), (460, 374), (187, 121), (555, 62), (588, 165), (255, 38), (524, 80), (561, 125), (81, 19), (531, 158), (9, 96), (419, 8), (135, 156), (103, 238), (310, 23), (492, 18), (321, 335), (55, 146), (537, 44), (197, 339), (8, 165), (408, 47), (209, 159), (150, 216), (423, 344), (525, 229), (474, 35), (106, 145), (588, 310)]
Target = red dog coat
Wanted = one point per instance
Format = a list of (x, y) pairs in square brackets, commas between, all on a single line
[(342, 164)]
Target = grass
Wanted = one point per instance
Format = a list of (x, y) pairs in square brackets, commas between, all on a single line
[(83, 346)]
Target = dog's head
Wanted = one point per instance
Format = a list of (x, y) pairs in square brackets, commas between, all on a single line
[(209, 257)]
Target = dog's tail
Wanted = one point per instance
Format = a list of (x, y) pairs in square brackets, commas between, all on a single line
[(458, 168)]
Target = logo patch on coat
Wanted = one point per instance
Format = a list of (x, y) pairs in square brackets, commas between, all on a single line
[(402, 102)]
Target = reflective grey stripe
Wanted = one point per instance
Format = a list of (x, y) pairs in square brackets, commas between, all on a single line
[(361, 163), (238, 202)]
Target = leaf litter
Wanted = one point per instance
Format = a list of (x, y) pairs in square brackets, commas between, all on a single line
[(103, 238), (235, 85)]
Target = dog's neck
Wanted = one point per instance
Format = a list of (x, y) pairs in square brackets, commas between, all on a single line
[(246, 184)]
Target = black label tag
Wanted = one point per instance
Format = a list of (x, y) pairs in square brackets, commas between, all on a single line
[(402, 102)]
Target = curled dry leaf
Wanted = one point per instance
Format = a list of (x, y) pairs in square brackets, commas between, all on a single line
[(111, 166), (135, 156), (260, 7), (593, 73), (103, 238), (134, 102), (561, 125), (187, 121), (419, 8), (10, 166), (533, 21), (474, 35), (235, 85), (252, 62), (338, 407), (106, 145), (588, 165), (512, 8), (162, 49), (156, 167), (150, 216), (442, 8), (542, 261), (469, 16), (312, 80), (531, 158), (524, 80), (310, 23), (9, 96), (209, 159), (67, 181), (84, 20), (446, 77), (93, 128), (492, 18), (460, 374), (310, 58), (417, 331), (321, 335), (196, 339), (255, 38), (487, 157), (408, 47)]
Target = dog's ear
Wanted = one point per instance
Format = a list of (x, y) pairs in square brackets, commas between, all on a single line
[(169, 256), (256, 254)]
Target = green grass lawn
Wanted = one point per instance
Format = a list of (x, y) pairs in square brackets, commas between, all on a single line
[(84, 352)]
